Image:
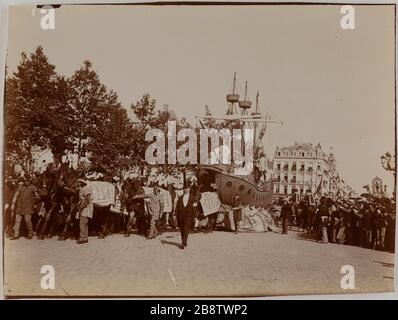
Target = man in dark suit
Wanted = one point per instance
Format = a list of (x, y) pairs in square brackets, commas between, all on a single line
[(286, 214), (185, 208)]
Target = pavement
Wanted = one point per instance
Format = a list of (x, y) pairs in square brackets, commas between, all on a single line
[(217, 264)]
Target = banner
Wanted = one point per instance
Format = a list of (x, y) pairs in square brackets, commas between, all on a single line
[(210, 203)]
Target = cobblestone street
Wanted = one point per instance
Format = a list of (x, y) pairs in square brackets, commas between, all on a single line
[(212, 265)]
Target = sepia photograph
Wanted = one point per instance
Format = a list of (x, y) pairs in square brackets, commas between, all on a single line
[(199, 150)]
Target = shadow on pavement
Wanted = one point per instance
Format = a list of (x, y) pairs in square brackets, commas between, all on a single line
[(385, 264), (176, 244), (308, 237)]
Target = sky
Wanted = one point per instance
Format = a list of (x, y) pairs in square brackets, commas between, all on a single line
[(326, 84)]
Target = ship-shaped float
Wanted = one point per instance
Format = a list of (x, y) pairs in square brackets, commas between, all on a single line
[(251, 190)]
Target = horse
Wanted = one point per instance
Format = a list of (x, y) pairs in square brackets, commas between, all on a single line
[(51, 195), (70, 200), (102, 219)]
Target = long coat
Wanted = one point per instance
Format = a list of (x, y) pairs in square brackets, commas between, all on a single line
[(185, 213)]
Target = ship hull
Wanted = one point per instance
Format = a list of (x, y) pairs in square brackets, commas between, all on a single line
[(229, 186)]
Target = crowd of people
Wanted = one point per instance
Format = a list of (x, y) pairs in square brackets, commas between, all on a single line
[(367, 222), (56, 202), (60, 202)]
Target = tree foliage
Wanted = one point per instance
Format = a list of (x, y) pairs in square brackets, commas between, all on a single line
[(36, 108), (75, 115)]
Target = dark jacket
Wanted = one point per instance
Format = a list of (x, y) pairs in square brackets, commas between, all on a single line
[(286, 211), (182, 213)]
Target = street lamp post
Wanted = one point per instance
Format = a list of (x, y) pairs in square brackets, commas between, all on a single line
[(388, 163)]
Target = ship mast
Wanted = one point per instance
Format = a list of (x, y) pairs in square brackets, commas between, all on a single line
[(256, 113), (249, 120), (233, 98), (245, 104)]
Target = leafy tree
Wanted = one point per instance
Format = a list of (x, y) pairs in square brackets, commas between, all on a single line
[(101, 127), (150, 117), (88, 96), (36, 108), (112, 139)]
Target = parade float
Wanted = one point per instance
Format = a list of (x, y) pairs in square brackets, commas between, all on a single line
[(251, 190), (256, 195)]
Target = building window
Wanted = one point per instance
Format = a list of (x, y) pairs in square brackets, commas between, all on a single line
[(285, 178), (294, 166), (278, 166), (302, 154), (279, 154), (302, 167), (319, 167), (285, 190)]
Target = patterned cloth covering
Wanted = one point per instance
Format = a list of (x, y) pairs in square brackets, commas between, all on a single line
[(103, 193), (210, 203)]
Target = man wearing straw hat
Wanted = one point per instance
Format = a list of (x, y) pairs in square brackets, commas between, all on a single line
[(85, 209)]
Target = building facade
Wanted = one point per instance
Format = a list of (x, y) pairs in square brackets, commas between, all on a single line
[(304, 167)]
